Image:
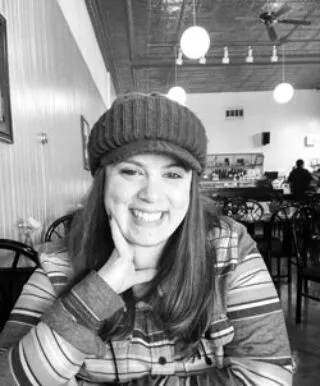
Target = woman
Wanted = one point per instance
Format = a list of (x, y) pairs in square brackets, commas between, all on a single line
[(154, 288)]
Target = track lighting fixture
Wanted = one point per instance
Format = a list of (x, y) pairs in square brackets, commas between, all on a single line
[(179, 60), (274, 57), (225, 59), (249, 58)]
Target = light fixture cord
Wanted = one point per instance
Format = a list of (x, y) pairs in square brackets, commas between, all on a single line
[(194, 11), (283, 63), (175, 67)]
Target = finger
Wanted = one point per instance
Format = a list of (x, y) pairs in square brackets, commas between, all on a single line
[(219, 357), (120, 242), (144, 275)]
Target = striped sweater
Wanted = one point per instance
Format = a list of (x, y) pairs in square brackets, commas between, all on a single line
[(50, 340)]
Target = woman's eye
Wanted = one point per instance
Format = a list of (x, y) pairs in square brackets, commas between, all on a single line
[(173, 175), (130, 172)]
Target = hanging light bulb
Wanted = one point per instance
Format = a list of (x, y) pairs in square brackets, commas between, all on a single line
[(274, 57), (284, 91), (225, 59), (195, 40), (249, 58), (177, 94)]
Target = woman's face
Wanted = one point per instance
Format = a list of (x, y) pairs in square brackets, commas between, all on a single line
[(148, 195)]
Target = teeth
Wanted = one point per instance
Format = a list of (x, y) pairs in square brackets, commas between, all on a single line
[(146, 216)]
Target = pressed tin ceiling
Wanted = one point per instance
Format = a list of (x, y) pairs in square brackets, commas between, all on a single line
[(139, 41)]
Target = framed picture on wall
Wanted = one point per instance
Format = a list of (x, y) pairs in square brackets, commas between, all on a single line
[(6, 134), (85, 131)]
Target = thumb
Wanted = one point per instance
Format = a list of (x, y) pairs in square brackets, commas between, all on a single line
[(145, 275)]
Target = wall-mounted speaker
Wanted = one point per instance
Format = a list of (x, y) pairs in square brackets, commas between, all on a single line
[(265, 137)]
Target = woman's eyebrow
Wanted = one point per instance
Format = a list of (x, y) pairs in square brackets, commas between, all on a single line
[(171, 164)]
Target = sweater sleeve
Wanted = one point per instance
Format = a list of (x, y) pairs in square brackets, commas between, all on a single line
[(47, 338), (260, 353)]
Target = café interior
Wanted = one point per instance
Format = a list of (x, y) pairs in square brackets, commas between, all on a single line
[(63, 62)]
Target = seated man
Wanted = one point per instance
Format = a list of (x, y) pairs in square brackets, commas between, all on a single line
[(299, 180)]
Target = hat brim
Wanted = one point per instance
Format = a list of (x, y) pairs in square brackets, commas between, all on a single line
[(151, 146)]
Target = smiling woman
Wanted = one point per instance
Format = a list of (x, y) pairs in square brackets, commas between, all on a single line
[(153, 287)]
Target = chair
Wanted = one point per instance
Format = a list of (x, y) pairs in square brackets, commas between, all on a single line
[(59, 228), (307, 253), (250, 214), (247, 211), (233, 207), (277, 241), (13, 277)]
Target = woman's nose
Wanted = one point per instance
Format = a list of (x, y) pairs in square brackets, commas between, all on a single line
[(150, 190)]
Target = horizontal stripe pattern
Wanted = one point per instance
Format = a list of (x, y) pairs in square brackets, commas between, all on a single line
[(248, 323)]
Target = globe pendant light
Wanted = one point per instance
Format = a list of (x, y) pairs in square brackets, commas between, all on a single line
[(177, 94), (284, 91), (195, 40)]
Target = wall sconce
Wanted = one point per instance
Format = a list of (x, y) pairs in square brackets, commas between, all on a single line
[(249, 58), (274, 57), (42, 138), (225, 59)]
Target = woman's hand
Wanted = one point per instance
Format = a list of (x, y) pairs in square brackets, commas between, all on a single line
[(119, 271)]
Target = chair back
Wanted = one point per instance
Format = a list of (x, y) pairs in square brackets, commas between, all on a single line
[(13, 276), (278, 231), (59, 229), (306, 241)]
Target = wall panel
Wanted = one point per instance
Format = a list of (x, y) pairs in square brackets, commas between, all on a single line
[(51, 87)]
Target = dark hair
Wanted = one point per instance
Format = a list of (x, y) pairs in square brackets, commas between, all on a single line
[(299, 163), (186, 269)]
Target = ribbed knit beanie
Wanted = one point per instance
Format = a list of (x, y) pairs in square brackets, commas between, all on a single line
[(139, 123)]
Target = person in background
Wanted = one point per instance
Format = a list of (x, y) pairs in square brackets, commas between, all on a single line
[(153, 288), (299, 180)]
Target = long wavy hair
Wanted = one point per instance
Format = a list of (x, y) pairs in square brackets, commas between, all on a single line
[(185, 272)]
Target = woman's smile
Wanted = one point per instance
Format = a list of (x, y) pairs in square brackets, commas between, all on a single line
[(147, 217)]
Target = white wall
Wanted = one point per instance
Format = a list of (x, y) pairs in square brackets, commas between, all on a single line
[(77, 17), (51, 87), (288, 125)]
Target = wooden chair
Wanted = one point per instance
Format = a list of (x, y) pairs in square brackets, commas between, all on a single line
[(307, 253), (13, 276), (59, 228), (276, 243)]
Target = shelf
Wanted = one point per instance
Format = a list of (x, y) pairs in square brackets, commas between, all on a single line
[(237, 166)]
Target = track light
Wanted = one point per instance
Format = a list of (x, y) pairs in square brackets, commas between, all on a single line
[(249, 58), (225, 59), (179, 60), (274, 57)]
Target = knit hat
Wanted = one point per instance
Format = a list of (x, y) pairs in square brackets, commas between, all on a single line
[(139, 123)]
